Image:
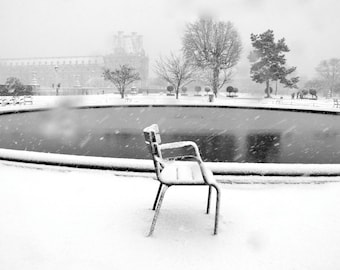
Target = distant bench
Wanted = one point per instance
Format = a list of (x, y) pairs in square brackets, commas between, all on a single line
[(14, 100)]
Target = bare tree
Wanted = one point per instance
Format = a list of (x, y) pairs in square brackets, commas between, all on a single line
[(214, 46), (175, 70), (329, 70), (122, 77), (315, 83), (207, 77)]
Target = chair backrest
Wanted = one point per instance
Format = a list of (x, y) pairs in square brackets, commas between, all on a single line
[(28, 100), (153, 140)]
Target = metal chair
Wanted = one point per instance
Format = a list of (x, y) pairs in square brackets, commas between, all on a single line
[(180, 170)]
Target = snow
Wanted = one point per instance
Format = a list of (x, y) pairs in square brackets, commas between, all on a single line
[(64, 218), (231, 172), (245, 99)]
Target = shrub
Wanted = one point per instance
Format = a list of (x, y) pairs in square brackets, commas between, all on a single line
[(198, 89), (313, 92), (229, 90), (184, 90), (170, 88), (304, 92)]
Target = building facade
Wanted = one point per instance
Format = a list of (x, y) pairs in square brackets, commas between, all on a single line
[(79, 71)]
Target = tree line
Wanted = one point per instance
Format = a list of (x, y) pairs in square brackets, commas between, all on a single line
[(328, 77), (210, 51)]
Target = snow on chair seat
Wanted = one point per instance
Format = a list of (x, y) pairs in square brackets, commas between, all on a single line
[(179, 172)]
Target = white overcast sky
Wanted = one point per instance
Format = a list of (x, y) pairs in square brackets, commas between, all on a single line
[(34, 28)]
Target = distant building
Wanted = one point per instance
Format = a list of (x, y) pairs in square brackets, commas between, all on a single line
[(78, 71), (128, 49)]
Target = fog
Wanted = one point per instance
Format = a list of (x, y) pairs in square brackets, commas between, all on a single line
[(43, 28)]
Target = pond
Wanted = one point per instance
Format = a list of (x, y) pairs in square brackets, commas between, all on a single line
[(222, 134)]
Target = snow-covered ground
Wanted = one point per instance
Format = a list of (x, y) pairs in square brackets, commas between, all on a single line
[(242, 100), (62, 218)]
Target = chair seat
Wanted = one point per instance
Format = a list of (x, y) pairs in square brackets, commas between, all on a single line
[(185, 173)]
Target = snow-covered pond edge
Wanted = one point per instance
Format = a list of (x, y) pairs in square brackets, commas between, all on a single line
[(225, 172)]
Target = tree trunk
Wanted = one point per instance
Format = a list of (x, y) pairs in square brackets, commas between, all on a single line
[(216, 75), (331, 90), (177, 90), (267, 89), (122, 92), (276, 88)]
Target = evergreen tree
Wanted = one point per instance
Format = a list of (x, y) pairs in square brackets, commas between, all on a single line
[(269, 61)]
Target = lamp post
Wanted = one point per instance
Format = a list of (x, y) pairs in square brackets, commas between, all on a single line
[(77, 77), (34, 83), (34, 78), (56, 84)]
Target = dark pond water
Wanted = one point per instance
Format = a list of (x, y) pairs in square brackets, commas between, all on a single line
[(223, 134)]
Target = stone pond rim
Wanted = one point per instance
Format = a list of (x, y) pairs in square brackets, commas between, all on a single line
[(146, 166)]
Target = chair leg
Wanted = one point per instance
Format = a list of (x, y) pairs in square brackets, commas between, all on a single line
[(157, 196), (217, 211), (157, 210), (209, 197)]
